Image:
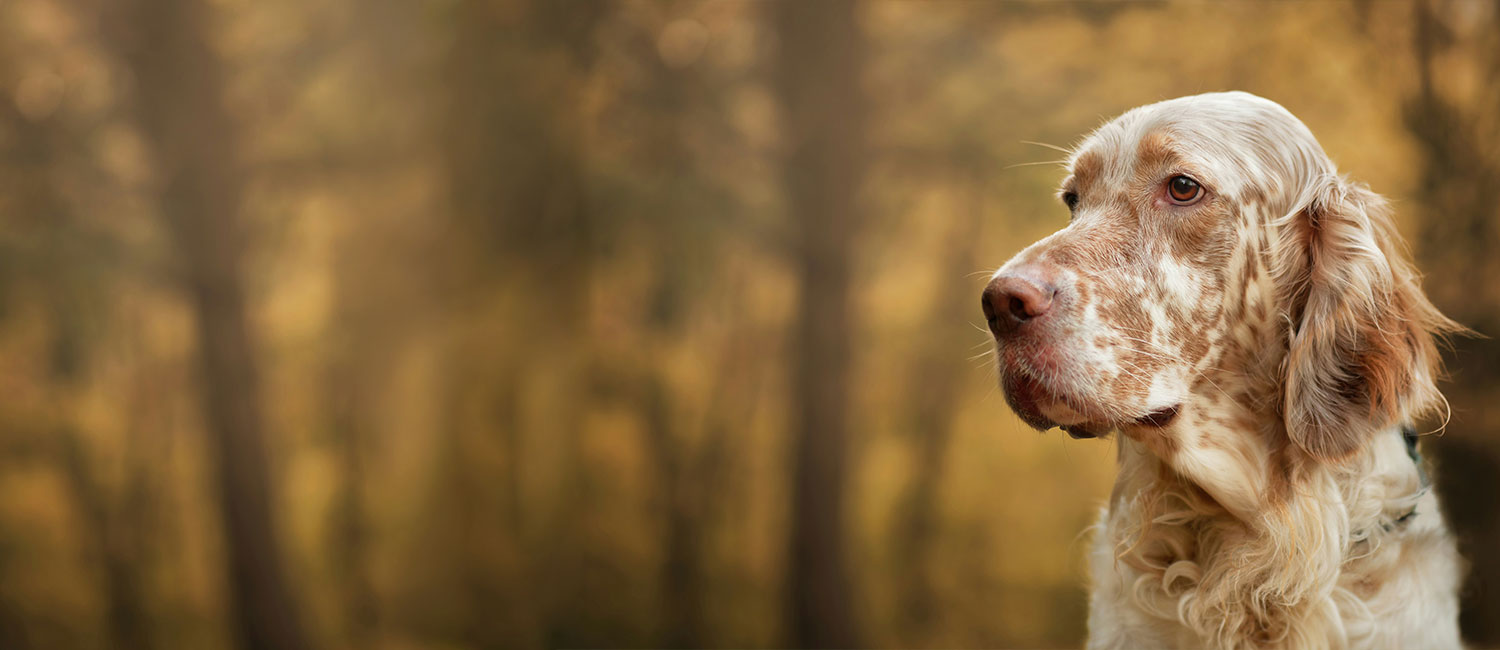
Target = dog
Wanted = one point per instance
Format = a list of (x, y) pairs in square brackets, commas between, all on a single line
[(1247, 321)]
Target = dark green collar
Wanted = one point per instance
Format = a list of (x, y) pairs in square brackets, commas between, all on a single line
[(1409, 436)]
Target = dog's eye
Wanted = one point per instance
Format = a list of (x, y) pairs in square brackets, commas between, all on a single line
[(1183, 190), (1071, 199)]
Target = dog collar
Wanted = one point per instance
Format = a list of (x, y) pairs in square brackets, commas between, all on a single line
[(1409, 436)]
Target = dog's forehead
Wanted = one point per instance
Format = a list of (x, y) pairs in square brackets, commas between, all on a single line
[(1233, 138)]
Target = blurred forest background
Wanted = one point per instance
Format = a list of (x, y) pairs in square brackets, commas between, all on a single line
[(520, 323)]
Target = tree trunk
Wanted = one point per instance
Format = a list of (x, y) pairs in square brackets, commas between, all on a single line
[(817, 79), (117, 545), (350, 551), (178, 99), (681, 573), (522, 227)]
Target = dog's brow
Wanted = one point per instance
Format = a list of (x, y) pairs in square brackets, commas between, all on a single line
[(1156, 148), (1086, 169)]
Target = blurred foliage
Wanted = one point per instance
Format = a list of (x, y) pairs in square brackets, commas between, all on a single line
[(522, 291)]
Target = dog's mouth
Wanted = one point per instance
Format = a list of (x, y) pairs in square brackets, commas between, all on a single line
[(1156, 419), (1160, 417), (1044, 408)]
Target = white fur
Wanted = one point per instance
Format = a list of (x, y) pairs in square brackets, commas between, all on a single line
[(1349, 577)]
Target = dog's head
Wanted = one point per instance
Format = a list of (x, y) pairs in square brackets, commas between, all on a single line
[(1219, 290)]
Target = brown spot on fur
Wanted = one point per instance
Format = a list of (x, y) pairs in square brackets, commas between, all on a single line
[(1087, 169), (1156, 149), (1253, 194), (1203, 235), (1194, 348)]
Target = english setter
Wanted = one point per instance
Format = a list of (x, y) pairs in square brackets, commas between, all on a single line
[(1248, 322)]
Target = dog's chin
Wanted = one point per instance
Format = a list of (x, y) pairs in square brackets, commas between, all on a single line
[(1044, 408)]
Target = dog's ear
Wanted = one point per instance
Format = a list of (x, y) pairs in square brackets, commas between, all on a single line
[(1362, 352)]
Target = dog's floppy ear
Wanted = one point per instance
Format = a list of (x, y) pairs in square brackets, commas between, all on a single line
[(1362, 352)]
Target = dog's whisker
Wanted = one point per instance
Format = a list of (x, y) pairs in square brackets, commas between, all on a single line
[(1049, 146), (1031, 164)]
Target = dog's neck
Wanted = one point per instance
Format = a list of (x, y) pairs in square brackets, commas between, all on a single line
[(1272, 574)]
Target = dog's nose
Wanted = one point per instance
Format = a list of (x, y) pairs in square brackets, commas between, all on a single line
[(1011, 300)]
